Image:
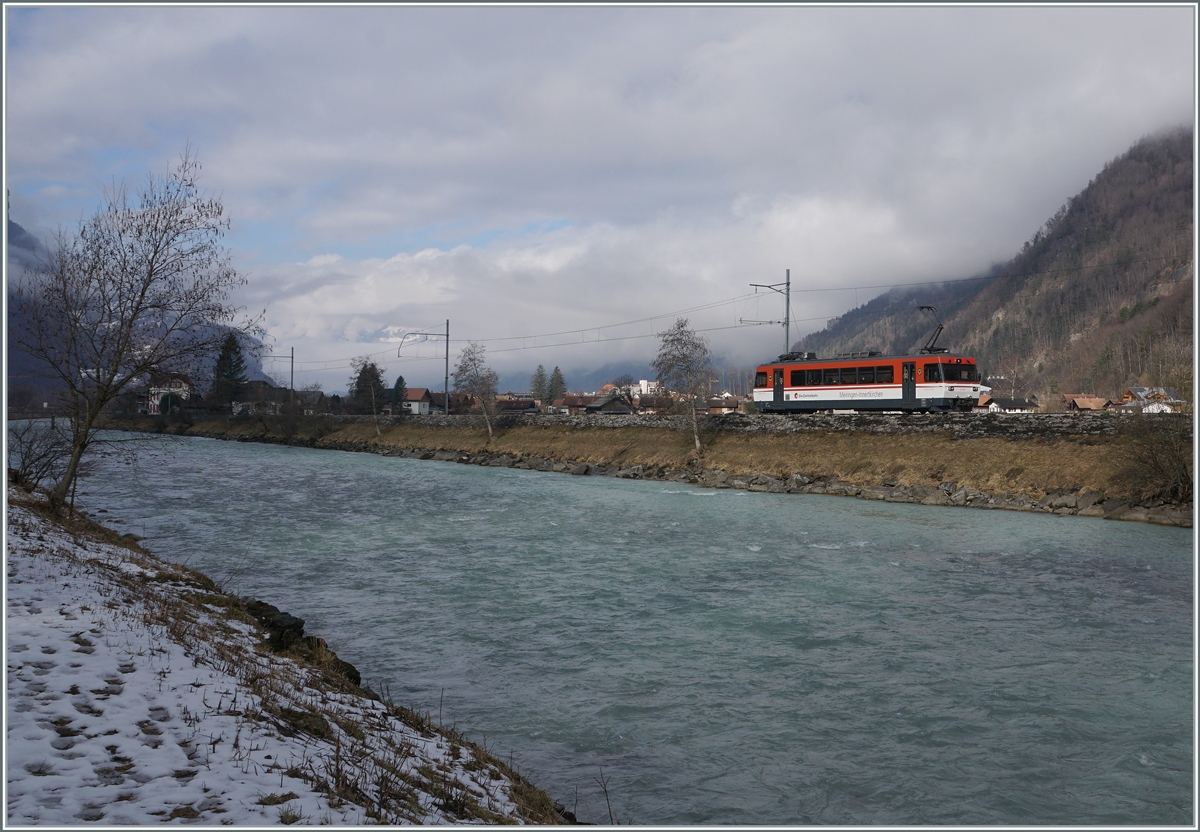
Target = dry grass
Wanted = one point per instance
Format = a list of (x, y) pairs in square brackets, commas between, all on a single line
[(1028, 467), (1031, 467)]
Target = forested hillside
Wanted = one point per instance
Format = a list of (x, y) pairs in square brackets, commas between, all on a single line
[(1099, 299)]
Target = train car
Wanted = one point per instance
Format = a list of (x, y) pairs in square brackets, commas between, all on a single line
[(927, 382)]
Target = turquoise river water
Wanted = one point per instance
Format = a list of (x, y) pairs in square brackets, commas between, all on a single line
[(716, 656)]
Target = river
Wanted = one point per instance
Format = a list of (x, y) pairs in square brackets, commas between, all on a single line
[(716, 656)]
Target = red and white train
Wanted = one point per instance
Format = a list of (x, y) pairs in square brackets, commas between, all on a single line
[(928, 382)]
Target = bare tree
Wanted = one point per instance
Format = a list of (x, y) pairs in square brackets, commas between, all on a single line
[(38, 449), (472, 375), (141, 288), (684, 365), (1011, 379)]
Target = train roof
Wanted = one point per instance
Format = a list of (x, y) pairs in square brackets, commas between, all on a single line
[(867, 357)]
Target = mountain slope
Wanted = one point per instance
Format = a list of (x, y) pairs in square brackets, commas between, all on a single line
[(1099, 299)]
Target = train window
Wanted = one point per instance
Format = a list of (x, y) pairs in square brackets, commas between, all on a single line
[(832, 375), (813, 377), (866, 375), (960, 372), (884, 375), (760, 379), (849, 375), (797, 378)]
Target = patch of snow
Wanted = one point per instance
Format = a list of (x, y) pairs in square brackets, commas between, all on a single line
[(126, 704)]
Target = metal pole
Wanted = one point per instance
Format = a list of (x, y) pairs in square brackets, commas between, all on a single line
[(292, 383), (787, 311), (446, 381)]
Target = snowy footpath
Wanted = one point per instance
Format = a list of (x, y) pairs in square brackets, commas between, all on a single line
[(137, 692)]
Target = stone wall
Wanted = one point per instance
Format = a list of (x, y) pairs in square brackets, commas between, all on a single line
[(957, 425)]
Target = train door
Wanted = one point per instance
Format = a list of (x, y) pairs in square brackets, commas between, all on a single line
[(908, 380), (778, 382)]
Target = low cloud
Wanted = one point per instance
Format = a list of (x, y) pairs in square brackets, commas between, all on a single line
[(525, 170)]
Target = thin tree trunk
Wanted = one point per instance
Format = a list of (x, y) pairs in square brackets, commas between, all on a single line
[(486, 420), (695, 428), (58, 496)]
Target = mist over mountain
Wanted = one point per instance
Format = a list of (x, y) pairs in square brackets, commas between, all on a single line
[(1099, 298)]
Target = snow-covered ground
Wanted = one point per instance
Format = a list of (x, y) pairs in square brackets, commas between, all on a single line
[(137, 694)]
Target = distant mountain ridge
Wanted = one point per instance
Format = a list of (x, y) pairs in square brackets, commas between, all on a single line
[(1098, 300)]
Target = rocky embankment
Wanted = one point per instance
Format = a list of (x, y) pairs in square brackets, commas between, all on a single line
[(948, 493), (1063, 464)]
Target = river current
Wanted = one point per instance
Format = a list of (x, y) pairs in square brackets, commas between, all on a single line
[(716, 656)]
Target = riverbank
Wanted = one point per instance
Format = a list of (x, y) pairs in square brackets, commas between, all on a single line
[(140, 692), (1065, 464)]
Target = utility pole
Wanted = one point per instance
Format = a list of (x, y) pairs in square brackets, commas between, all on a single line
[(787, 310), (292, 382), (446, 382), (786, 291)]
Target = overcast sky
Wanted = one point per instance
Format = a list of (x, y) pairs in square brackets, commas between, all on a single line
[(529, 171)]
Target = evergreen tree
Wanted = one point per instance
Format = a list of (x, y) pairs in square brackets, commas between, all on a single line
[(229, 373), (537, 385), (398, 391), (558, 386), (366, 386)]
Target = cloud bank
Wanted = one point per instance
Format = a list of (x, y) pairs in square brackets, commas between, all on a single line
[(524, 171)]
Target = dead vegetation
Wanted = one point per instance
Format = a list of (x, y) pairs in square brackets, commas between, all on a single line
[(1116, 466), (1028, 467)]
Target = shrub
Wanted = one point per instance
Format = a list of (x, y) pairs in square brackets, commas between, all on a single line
[(1155, 457)]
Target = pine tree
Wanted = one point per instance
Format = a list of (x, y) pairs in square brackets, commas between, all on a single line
[(558, 386), (229, 373), (366, 386), (537, 385), (398, 391)]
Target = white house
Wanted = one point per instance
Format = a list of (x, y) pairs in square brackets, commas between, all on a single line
[(416, 401), (176, 384)]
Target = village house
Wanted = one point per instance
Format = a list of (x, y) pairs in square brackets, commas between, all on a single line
[(1149, 400), (614, 401), (176, 385), (1003, 404), (1084, 402), (511, 407), (418, 401), (261, 398), (651, 405), (571, 404), (310, 401), (459, 402), (723, 404)]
